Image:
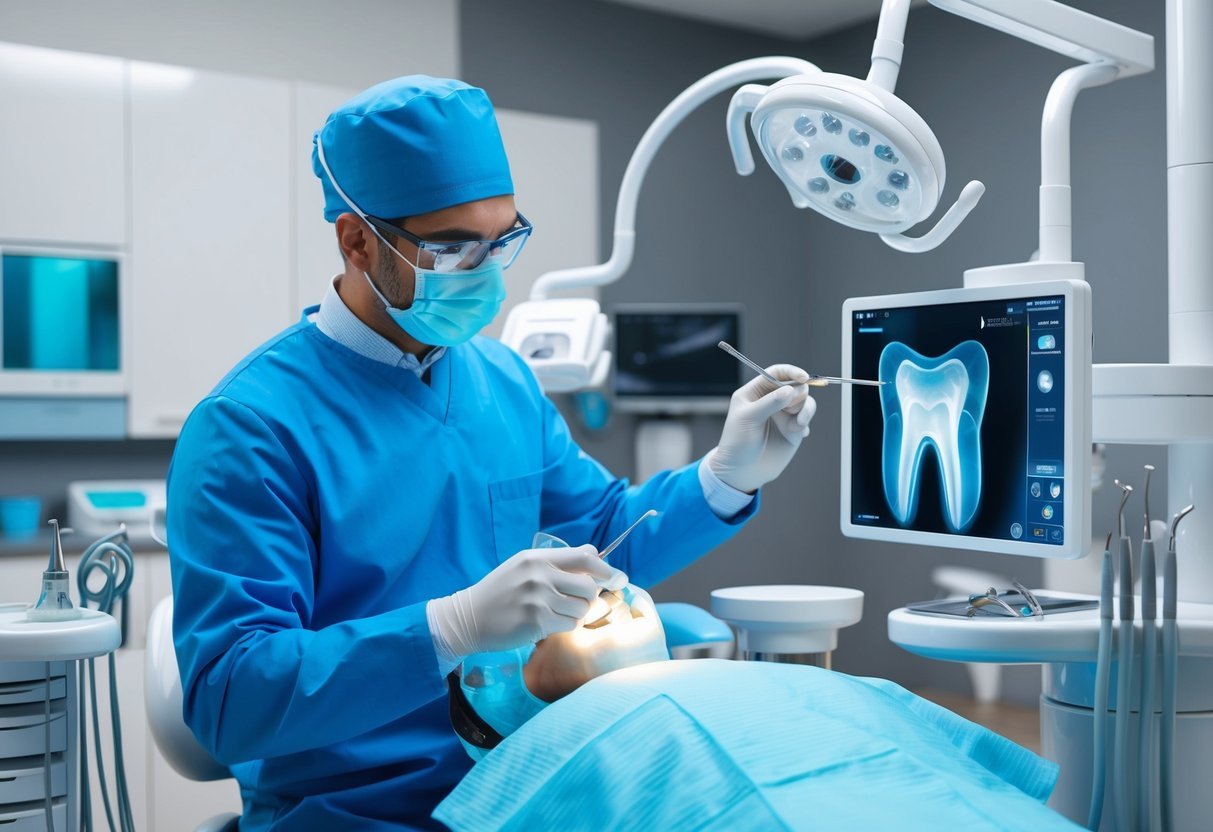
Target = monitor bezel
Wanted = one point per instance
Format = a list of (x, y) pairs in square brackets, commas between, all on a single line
[(1077, 422), (56, 383), (672, 405)]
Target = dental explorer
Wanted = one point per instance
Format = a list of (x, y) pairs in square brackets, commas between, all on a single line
[(615, 543), (1103, 667), (606, 594), (1149, 652), (815, 379), (1170, 667), (1124, 674)]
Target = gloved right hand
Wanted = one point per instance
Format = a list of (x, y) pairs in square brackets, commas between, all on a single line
[(535, 593)]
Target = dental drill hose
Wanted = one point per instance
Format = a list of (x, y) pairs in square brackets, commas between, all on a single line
[(1170, 668), (1145, 728), (1124, 690), (110, 557), (1149, 655), (1103, 667)]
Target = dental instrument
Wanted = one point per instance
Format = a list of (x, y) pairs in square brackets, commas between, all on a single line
[(1170, 667), (55, 602), (615, 543), (815, 379), (1145, 733), (1124, 673), (1103, 667), (610, 597)]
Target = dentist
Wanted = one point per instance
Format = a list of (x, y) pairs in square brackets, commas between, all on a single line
[(350, 509)]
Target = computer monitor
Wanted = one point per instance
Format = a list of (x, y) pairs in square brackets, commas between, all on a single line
[(667, 361), (980, 437), (60, 322)]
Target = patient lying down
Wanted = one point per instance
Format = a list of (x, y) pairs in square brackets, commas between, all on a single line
[(632, 740)]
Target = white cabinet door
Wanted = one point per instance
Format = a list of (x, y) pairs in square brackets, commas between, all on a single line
[(210, 247), (62, 158), (317, 257)]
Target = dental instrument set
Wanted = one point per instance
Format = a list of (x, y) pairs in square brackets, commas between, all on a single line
[(814, 380), (1170, 667), (1132, 779)]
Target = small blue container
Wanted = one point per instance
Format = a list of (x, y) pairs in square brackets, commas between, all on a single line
[(20, 517)]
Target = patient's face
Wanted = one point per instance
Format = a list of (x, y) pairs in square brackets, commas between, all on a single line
[(622, 629)]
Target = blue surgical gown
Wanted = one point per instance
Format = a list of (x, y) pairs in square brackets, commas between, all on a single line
[(316, 500)]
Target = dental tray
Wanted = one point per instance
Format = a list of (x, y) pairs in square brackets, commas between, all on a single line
[(957, 607)]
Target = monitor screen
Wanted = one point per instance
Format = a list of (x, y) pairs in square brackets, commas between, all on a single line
[(666, 358), (970, 435), (60, 313)]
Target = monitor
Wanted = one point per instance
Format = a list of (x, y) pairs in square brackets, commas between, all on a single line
[(60, 322), (980, 437), (667, 361)]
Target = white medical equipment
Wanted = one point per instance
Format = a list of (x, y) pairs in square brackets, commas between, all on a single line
[(989, 390), (43, 713), (846, 147), (96, 507), (791, 624)]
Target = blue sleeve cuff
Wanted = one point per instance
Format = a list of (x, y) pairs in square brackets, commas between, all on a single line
[(725, 501)]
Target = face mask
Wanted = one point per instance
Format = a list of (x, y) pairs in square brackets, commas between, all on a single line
[(448, 308)]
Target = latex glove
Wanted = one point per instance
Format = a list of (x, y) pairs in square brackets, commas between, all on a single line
[(765, 426), (535, 593)]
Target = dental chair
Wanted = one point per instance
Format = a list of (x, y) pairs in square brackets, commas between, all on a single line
[(162, 691)]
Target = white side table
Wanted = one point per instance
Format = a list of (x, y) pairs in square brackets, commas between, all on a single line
[(33, 657)]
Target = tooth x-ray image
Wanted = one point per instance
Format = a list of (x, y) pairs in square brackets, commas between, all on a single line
[(967, 437)]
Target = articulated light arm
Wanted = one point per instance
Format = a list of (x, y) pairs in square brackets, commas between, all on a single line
[(1108, 51), (692, 97)]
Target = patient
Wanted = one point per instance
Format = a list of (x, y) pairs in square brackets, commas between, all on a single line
[(631, 741)]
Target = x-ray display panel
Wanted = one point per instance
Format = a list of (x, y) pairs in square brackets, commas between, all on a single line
[(968, 436)]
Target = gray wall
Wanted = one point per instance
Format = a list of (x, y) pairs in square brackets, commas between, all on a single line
[(707, 235)]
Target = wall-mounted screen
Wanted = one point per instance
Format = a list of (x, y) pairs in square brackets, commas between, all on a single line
[(667, 361), (60, 322), (980, 436)]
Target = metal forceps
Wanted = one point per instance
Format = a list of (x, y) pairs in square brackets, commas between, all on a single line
[(991, 596)]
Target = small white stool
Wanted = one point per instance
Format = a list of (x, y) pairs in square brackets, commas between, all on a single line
[(791, 624)]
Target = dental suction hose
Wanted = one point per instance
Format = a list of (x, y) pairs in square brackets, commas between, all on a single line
[(1124, 675), (1103, 667), (1170, 667), (1149, 647), (112, 560)]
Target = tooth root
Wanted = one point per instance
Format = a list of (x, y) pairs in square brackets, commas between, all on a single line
[(939, 403)]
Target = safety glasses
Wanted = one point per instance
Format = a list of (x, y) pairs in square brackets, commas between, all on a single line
[(449, 257)]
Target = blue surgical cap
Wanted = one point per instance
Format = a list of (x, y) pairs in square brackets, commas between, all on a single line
[(410, 146)]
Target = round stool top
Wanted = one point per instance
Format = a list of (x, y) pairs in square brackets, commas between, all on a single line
[(92, 634)]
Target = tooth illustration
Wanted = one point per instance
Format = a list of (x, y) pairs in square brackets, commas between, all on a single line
[(935, 403)]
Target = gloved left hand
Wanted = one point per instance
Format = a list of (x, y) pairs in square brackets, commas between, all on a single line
[(765, 426)]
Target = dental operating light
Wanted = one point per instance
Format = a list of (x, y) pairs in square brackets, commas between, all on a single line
[(849, 148)]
